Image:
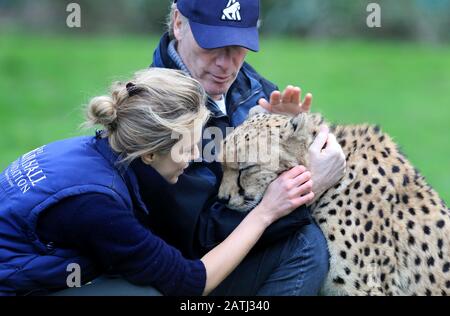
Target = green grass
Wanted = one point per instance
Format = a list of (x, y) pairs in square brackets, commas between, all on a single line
[(44, 81)]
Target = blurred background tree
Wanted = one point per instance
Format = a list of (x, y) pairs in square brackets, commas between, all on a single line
[(421, 20)]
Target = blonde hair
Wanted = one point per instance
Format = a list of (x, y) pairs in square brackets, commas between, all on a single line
[(141, 116)]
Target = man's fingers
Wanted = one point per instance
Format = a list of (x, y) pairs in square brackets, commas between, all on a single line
[(286, 97), (306, 105), (332, 139), (266, 105), (296, 95), (320, 139), (332, 143), (275, 98)]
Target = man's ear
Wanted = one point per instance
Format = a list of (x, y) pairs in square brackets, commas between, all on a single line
[(148, 158), (177, 25)]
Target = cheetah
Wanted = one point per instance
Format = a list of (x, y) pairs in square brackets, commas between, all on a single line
[(387, 230)]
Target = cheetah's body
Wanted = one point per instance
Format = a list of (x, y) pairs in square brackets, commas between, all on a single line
[(388, 232)]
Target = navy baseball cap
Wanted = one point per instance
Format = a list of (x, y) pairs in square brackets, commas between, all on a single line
[(219, 23)]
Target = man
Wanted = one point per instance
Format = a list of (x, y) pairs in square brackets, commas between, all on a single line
[(209, 40)]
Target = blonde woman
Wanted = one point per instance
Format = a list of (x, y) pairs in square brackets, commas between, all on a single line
[(74, 205)]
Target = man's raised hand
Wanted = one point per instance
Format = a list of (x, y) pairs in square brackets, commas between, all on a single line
[(288, 102)]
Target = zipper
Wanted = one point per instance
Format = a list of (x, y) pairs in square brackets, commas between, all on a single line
[(250, 96), (255, 92)]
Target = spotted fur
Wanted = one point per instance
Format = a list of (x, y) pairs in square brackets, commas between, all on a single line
[(388, 231)]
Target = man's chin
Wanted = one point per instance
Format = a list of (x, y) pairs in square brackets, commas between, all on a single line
[(218, 90)]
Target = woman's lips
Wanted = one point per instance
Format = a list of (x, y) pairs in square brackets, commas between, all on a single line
[(182, 170)]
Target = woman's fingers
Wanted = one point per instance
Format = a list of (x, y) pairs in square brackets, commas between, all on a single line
[(302, 200), (301, 178), (293, 172), (301, 190)]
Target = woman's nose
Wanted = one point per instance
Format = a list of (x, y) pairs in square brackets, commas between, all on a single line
[(196, 153)]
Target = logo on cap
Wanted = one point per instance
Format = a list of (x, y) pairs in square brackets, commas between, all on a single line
[(232, 11)]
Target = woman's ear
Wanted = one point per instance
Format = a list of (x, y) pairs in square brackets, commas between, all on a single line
[(148, 158)]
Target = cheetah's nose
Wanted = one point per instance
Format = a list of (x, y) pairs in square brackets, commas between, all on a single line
[(225, 199)]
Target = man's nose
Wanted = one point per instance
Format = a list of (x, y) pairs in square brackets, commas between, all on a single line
[(223, 60)]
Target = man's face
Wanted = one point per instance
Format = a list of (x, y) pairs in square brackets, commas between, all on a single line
[(215, 69)]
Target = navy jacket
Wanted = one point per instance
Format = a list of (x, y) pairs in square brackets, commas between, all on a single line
[(189, 214), (70, 202)]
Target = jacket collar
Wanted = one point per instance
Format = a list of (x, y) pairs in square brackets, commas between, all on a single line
[(240, 90), (161, 57), (125, 171), (173, 54)]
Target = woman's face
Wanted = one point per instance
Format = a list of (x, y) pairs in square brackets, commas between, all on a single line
[(171, 165)]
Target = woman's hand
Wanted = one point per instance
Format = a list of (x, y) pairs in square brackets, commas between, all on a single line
[(285, 194), (290, 190)]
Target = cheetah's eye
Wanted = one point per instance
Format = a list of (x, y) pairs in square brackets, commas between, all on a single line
[(246, 167)]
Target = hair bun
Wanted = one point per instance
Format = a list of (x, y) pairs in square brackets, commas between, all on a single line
[(102, 110)]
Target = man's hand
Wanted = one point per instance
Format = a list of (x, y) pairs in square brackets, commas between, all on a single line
[(327, 165), (287, 103)]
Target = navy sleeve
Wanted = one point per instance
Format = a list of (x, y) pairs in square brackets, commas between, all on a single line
[(115, 240), (218, 221)]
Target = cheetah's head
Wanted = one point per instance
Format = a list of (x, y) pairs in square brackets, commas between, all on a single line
[(257, 151)]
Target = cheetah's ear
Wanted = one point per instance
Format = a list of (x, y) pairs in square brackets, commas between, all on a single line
[(298, 127), (298, 123), (257, 109)]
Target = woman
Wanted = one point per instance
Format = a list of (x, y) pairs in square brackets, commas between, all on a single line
[(77, 201)]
